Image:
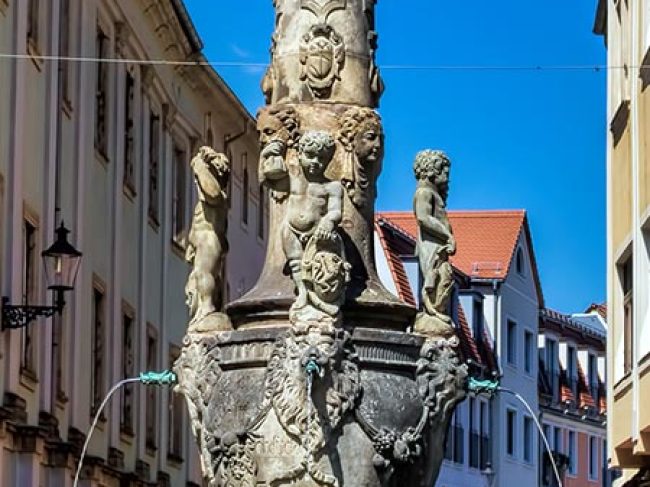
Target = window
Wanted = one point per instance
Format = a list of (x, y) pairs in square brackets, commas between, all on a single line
[(571, 372), (57, 357), (594, 382), (128, 370), (593, 458), (474, 440), (529, 350), (626, 272), (477, 322), (97, 350), (511, 428), (484, 429), (154, 165), (454, 446), (551, 362), (101, 94), (30, 294), (528, 439), (64, 50), (129, 127), (572, 453), (260, 213), (152, 393), (175, 418), (244, 191), (558, 444), (179, 196), (519, 262), (33, 7), (512, 343)]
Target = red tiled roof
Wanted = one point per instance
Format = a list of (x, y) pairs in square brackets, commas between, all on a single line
[(602, 394), (566, 394), (394, 246), (486, 240)]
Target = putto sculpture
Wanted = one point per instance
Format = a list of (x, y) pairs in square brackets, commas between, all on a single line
[(207, 243), (310, 238), (315, 380), (435, 242)]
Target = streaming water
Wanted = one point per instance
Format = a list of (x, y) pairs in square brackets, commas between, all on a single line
[(310, 412)]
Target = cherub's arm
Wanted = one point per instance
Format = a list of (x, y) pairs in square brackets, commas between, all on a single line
[(424, 214), (334, 204)]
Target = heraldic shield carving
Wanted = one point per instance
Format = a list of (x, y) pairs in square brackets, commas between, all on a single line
[(322, 55)]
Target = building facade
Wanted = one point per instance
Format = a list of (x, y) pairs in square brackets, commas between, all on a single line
[(105, 147), (625, 26), (573, 405), (498, 305)]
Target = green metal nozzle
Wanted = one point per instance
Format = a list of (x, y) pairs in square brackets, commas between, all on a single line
[(164, 378)]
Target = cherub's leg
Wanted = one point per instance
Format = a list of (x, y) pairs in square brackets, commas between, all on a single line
[(293, 250), (205, 283)]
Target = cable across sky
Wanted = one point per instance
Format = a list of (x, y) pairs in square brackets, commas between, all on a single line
[(392, 67)]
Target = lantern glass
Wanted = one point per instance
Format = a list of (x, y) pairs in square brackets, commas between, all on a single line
[(61, 262)]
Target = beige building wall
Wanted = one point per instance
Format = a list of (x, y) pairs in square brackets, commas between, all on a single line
[(626, 27), (128, 305)]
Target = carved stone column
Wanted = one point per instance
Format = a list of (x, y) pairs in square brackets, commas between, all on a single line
[(323, 77), (318, 383)]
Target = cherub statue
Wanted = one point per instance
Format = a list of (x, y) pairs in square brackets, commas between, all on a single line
[(207, 243), (311, 241), (279, 131), (435, 242), (362, 137)]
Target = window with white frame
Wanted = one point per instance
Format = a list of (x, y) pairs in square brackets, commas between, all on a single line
[(571, 371), (129, 133), (30, 294), (511, 343), (101, 93), (519, 262), (154, 168), (625, 271), (511, 432)]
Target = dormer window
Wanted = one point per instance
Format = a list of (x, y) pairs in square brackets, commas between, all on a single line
[(519, 261)]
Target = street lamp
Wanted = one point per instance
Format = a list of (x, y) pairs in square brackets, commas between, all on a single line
[(489, 474), (61, 263)]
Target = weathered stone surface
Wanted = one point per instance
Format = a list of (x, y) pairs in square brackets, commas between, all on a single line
[(381, 402)]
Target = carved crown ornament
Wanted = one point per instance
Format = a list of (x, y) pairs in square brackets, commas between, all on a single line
[(323, 8)]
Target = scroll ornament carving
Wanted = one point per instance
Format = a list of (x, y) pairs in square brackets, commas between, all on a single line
[(322, 56), (435, 243), (279, 130), (311, 242), (207, 243), (362, 137)]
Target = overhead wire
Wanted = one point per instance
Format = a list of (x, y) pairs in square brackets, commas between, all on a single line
[(392, 67)]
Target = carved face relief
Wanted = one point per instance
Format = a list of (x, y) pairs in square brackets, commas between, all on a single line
[(316, 151), (322, 55), (368, 144)]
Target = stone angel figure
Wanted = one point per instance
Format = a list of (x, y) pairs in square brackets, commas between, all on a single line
[(207, 243), (435, 242)]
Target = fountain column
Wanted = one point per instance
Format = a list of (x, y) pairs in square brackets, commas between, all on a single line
[(312, 378)]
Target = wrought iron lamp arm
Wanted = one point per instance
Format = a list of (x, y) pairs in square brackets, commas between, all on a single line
[(15, 316)]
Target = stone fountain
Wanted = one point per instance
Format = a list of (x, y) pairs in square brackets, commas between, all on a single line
[(313, 378)]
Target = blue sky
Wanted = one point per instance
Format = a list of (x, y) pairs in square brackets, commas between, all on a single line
[(517, 139)]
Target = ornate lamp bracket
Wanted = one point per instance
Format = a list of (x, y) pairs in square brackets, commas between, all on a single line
[(19, 316)]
